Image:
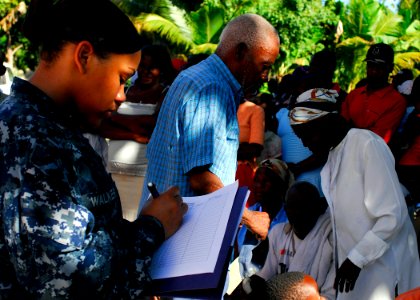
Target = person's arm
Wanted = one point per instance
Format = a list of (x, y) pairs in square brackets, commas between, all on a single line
[(258, 222), (80, 252), (310, 163), (249, 152), (202, 181), (386, 205), (206, 126), (257, 126), (388, 122), (123, 127)]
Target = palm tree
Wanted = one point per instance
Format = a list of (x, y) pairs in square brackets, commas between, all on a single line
[(367, 22), (185, 32)]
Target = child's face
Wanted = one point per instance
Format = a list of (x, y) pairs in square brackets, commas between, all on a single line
[(301, 217)]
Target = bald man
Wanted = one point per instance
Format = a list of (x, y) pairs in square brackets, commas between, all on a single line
[(195, 141)]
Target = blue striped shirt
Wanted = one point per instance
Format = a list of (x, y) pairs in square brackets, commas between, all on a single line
[(197, 126)]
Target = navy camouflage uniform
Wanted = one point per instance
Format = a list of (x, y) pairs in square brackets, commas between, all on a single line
[(62, 234)]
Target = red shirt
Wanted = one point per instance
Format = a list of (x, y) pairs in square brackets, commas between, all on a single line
[(379, 111)]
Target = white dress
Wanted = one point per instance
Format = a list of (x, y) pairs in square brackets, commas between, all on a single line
[(369, 217)]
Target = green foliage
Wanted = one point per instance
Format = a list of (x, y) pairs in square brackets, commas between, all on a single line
[(305, 27), (188, 5), (177, 36), (367, 22), (19, 53), (206, 24)]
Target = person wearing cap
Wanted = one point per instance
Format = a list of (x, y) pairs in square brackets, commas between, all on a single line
[(376, 251), (377, 106), (62, 233)]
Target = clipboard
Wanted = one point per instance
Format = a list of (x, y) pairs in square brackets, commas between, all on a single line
[(206, 285)]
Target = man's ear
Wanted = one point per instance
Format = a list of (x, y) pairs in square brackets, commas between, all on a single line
[(241, 50), (82, 55)]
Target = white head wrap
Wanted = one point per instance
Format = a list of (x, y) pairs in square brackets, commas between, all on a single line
[(313, 104), (406, 87)]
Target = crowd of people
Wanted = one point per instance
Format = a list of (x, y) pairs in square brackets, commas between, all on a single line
[(333, 177)]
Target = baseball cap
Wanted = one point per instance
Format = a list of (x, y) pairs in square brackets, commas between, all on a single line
[(380, 54)]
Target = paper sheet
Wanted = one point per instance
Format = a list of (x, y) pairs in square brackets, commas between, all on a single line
[(195, 247), (234, 276)]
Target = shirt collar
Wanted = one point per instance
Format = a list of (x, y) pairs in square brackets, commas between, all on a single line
[(22, 89), (380, 93), (228, 76)]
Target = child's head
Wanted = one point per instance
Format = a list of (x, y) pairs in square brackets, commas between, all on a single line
[(271, 181), (293, 286), (303, 206)]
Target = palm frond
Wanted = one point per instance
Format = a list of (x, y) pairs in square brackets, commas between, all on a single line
[(386, 27), (354, 42), (207, 48), (166, 29), (359, 16), (135, 8), (406, 60), (206, 23)]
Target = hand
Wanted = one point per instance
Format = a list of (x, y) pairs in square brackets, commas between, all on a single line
[(346, 277), (258, 222), (168, 208)]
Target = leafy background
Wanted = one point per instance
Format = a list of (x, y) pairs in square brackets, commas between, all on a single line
[(305, 27)]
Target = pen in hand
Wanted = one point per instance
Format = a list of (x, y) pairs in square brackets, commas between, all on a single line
[(152, 189)]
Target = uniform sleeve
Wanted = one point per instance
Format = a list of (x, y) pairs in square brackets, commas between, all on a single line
[(204, 126), (62, 250), (383, 200), (257, 126)]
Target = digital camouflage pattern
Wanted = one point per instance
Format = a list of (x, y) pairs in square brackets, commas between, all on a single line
[(61, 228)]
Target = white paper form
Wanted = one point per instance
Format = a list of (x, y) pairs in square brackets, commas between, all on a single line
[(195, 247)]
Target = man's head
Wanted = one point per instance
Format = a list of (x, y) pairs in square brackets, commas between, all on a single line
[(303, 207), (293, 286), (380, 63), (249, 45)]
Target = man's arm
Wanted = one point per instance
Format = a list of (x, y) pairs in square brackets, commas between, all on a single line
[(202, 181), (258, 222)]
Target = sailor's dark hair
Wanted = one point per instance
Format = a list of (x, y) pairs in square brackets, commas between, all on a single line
[(51, 23)]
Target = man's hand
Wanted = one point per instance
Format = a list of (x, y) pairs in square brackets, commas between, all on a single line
[(168, 208), (257, 222), (346, 277)]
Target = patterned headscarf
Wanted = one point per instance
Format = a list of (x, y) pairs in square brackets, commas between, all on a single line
[(280, 168), (313, 104)]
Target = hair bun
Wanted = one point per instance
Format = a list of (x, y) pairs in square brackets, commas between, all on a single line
[(37, 20)]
